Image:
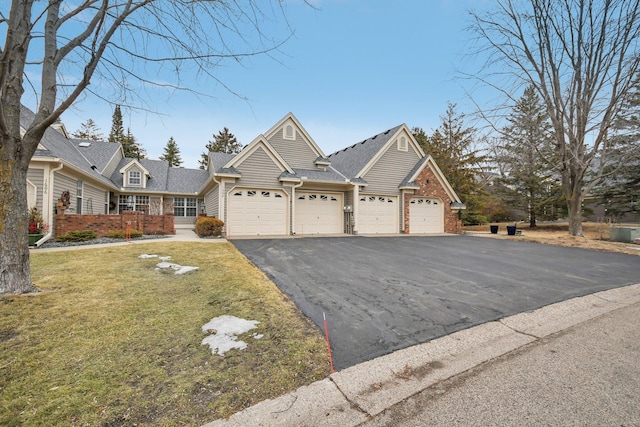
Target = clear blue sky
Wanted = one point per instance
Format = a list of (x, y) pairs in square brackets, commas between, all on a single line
[(354, 68)]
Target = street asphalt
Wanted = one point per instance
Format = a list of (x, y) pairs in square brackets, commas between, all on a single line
[(573, 363), (383, 294)]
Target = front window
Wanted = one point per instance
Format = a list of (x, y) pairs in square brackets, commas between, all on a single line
[(185, 206), (80, 187), (133, 203), (135, 178)]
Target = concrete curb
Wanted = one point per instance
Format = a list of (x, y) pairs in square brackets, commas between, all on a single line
[(351, 396)]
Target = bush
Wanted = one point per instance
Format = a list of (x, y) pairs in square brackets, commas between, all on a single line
[(209, 226), (122, 234), (77, 236)]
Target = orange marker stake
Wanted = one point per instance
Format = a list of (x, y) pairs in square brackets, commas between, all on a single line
[(326, 334)]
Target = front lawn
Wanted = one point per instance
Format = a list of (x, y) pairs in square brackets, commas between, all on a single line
[(110, 341)]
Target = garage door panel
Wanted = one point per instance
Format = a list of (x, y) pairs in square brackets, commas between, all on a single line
[(426, 215), (377, 214), (318, 213), (254, 212)]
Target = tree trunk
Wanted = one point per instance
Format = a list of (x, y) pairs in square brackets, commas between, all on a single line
[(574, 205), (15, 271)]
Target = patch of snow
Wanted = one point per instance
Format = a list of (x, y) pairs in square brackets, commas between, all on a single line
[(186, 269), (165, 266), (144, 256), (257, 336), (165, 258), (224, 330)]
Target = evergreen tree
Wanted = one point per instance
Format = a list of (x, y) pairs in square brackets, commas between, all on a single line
[(223, 142), (131, 147), (619, 189), (117, 129), (452, 146), (88, 130), (172, 153), (527, 158)]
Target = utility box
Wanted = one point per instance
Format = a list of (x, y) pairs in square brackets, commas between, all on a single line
[(624, 234)]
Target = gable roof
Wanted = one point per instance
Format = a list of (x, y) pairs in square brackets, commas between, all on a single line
[(289, 116), (55, 145), (351, 160), (409, 181), (163, 178), (259, 142)]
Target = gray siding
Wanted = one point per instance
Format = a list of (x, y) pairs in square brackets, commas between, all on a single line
[(389, 171), (212, 202), (258, 170), (112, 165), (297, 154), (62, 183), (92, 200), (36, 176)]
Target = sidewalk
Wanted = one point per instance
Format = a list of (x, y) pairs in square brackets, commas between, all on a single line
[(572, 363), (182, 235)]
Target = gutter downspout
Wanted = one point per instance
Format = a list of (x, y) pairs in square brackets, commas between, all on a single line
[(356, 207), (49, 235), (293, 206)]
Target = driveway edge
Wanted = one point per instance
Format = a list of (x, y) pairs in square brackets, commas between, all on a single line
[(351, 396)]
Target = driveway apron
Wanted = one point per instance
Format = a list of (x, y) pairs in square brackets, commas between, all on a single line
[(386, 293)]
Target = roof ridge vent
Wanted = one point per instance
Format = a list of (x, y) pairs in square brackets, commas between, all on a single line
[(374, 137), (389, 130)]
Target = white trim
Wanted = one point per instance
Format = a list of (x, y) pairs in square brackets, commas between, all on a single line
[(260, 141), (438, 173)]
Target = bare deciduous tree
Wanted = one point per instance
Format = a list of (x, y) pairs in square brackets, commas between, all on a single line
[(122, 45), (580, 56)]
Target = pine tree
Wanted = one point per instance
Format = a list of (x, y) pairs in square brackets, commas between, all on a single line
[(131, 147), (117, 129), (619, 189), (88, 130), (172, 154), (527, 160), (223, 142), (452, 146)]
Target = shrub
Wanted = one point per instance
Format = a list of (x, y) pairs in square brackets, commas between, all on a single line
[(209, 226), (77, 236), (122, 234)]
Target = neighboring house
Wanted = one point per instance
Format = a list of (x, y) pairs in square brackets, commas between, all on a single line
[(279, 184), (282, 183), (100, 180)]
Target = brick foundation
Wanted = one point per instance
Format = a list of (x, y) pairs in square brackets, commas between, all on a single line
[(102, 225)]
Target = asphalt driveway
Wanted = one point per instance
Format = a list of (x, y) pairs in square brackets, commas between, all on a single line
[(386, 293)]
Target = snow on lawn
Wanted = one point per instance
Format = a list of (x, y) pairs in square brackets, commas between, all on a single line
[(167, 267), (225, 330)]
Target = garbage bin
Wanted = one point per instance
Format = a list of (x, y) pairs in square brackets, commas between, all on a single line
[(511, 230), (494, 229)]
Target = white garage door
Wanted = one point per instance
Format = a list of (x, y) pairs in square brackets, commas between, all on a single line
[(254, 212), (377, 214), (426, 215), (318, 213)]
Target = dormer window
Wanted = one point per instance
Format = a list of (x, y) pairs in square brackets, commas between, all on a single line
[(289, 132), (402, 144), (135, 178)]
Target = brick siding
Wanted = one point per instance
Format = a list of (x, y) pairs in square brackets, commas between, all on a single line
[(102, 224), (430, 186)]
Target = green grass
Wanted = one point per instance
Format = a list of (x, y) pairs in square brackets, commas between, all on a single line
[(110, 341)]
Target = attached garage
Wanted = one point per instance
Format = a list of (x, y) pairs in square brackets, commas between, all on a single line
[(426, 215), (318, 213), (254, 212), (378, 214)]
